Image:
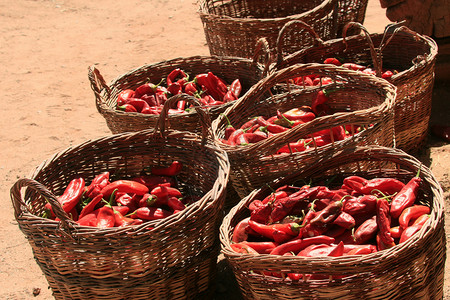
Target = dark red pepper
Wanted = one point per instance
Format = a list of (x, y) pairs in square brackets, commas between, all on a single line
[(361, 205), (345, 220), (411, 213), (172, 170), (318, 225), (332, 61), (387, 186), (384, 223), (356, 183), (319, 99), (366, 231)]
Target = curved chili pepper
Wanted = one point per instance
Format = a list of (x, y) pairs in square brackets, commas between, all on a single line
[(72, 194), (174, 74), (175, 204), (274, 196), (365, 249), (297, 245), (366, 231), (356, 183), (97, 184), (344, 220), (384, 223), (172, 170), (240, 231), (396, 232), (249, 123), (122, 209), (283, 207), (387, 186), (326, 216), (105, 217), (140, 105), (234, 136), (261, 247), (127, 107), (409, 232), (150, 213), (125, 186), (152, 181), (91, 205), (120, 220), (267, 230), (236, 87), (421, 220), (332, 61), (412, 213), (242, 248), (89, 219), (406, 197), (320, 98), (316, 250), (261, 213), (362, 205)]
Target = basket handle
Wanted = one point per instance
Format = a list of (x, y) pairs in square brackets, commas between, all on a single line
[(204, 118), (20, 205), (262, 48), (300, 25), (388, 29), (376, 57), (98, 84)]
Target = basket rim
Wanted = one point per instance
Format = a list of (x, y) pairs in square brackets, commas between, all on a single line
[(324, 4)]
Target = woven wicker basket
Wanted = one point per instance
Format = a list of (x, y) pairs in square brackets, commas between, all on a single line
[(411, 270), (232, 26), (172, 258), (412, 54), (359, 99), (227, 68)]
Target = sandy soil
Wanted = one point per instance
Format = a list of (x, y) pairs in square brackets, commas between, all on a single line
[(47, 104)]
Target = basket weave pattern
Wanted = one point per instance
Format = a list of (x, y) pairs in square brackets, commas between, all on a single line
[(227, 68), (358, 100), (411, 270), (172, 258)]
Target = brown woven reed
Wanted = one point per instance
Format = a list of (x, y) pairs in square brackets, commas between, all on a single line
[(359, 100), (411, 270), (228, 68), (172, 258), (232, 26), (401, 49)]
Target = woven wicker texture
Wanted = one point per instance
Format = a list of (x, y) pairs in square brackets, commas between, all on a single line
[(410, 270), (232, 26), (357, 99), (227, 68), (411, 54), (172, 258)]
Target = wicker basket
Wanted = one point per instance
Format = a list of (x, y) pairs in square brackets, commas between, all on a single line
[(412, 54), (228, 68), (411, 270), (359, 99), (232, 26), (172, 258)]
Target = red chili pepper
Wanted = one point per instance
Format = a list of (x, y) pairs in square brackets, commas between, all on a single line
[(89, 219), (261, 213), (421, 220), (145, 89), (353, 66), (361, 205), (236, 87), (150, 213), (281, 237), (303, 113), (261, 247), (140, 105), (127, 200), (409, 232), (151, 100), (406, 197), (97, 184), (91, 205), (172, 170), (366, 231), (175, 204), (274, 196), (174, 88), (338, 250), (317, 225), (297, 245), (384, 223), (332, 61), (122, 209), (127, 108), (396, 232), (72, 194), (229, 96), (267, 230), (356, 183), (387, 74), (364, 249), (274, 128), (240, 232), (283, 207), (233, 137), (241, 140), (319, 99), (316, 250), (105, 217), (174, 74), (411, 213), (123, 96), (125, 186), (152, 181), (242, 248), (120, 220), (387, 186), (345, 220)]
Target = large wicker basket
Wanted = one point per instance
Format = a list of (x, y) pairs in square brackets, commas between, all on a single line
[(232, 27), (358, 99), (413, 269), (248, 71), (411, 54), (172, 258)]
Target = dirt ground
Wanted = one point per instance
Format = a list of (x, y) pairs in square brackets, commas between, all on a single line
[(46, 47)]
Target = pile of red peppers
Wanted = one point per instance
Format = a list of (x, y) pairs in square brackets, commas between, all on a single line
[(315, 80), (361, 216), (149, 98), (133, 201), (259, 128)]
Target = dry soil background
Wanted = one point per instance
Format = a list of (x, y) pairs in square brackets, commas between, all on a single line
[(46, 47)]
